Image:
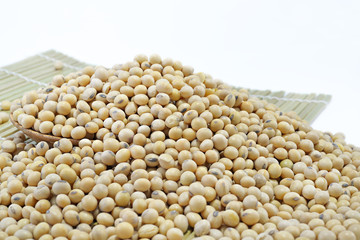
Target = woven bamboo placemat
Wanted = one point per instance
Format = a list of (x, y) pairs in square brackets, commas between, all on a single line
[(36, 71)]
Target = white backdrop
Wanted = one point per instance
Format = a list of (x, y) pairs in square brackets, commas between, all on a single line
[(300, 46)]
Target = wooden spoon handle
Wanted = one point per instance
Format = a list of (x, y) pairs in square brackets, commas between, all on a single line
[(38, 137)]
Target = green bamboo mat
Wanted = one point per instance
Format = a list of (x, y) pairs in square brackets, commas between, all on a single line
[(36, 71)]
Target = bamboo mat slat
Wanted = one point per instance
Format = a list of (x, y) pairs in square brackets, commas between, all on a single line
[(37, 71)]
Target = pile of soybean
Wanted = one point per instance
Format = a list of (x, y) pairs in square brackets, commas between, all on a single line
[(165, 150)]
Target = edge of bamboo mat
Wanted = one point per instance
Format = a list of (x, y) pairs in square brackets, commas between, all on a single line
[(311, 116)]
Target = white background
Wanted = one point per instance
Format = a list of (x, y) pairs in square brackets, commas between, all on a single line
[(299, 46)]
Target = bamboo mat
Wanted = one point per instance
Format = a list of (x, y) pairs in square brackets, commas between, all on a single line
[(36, 71)]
